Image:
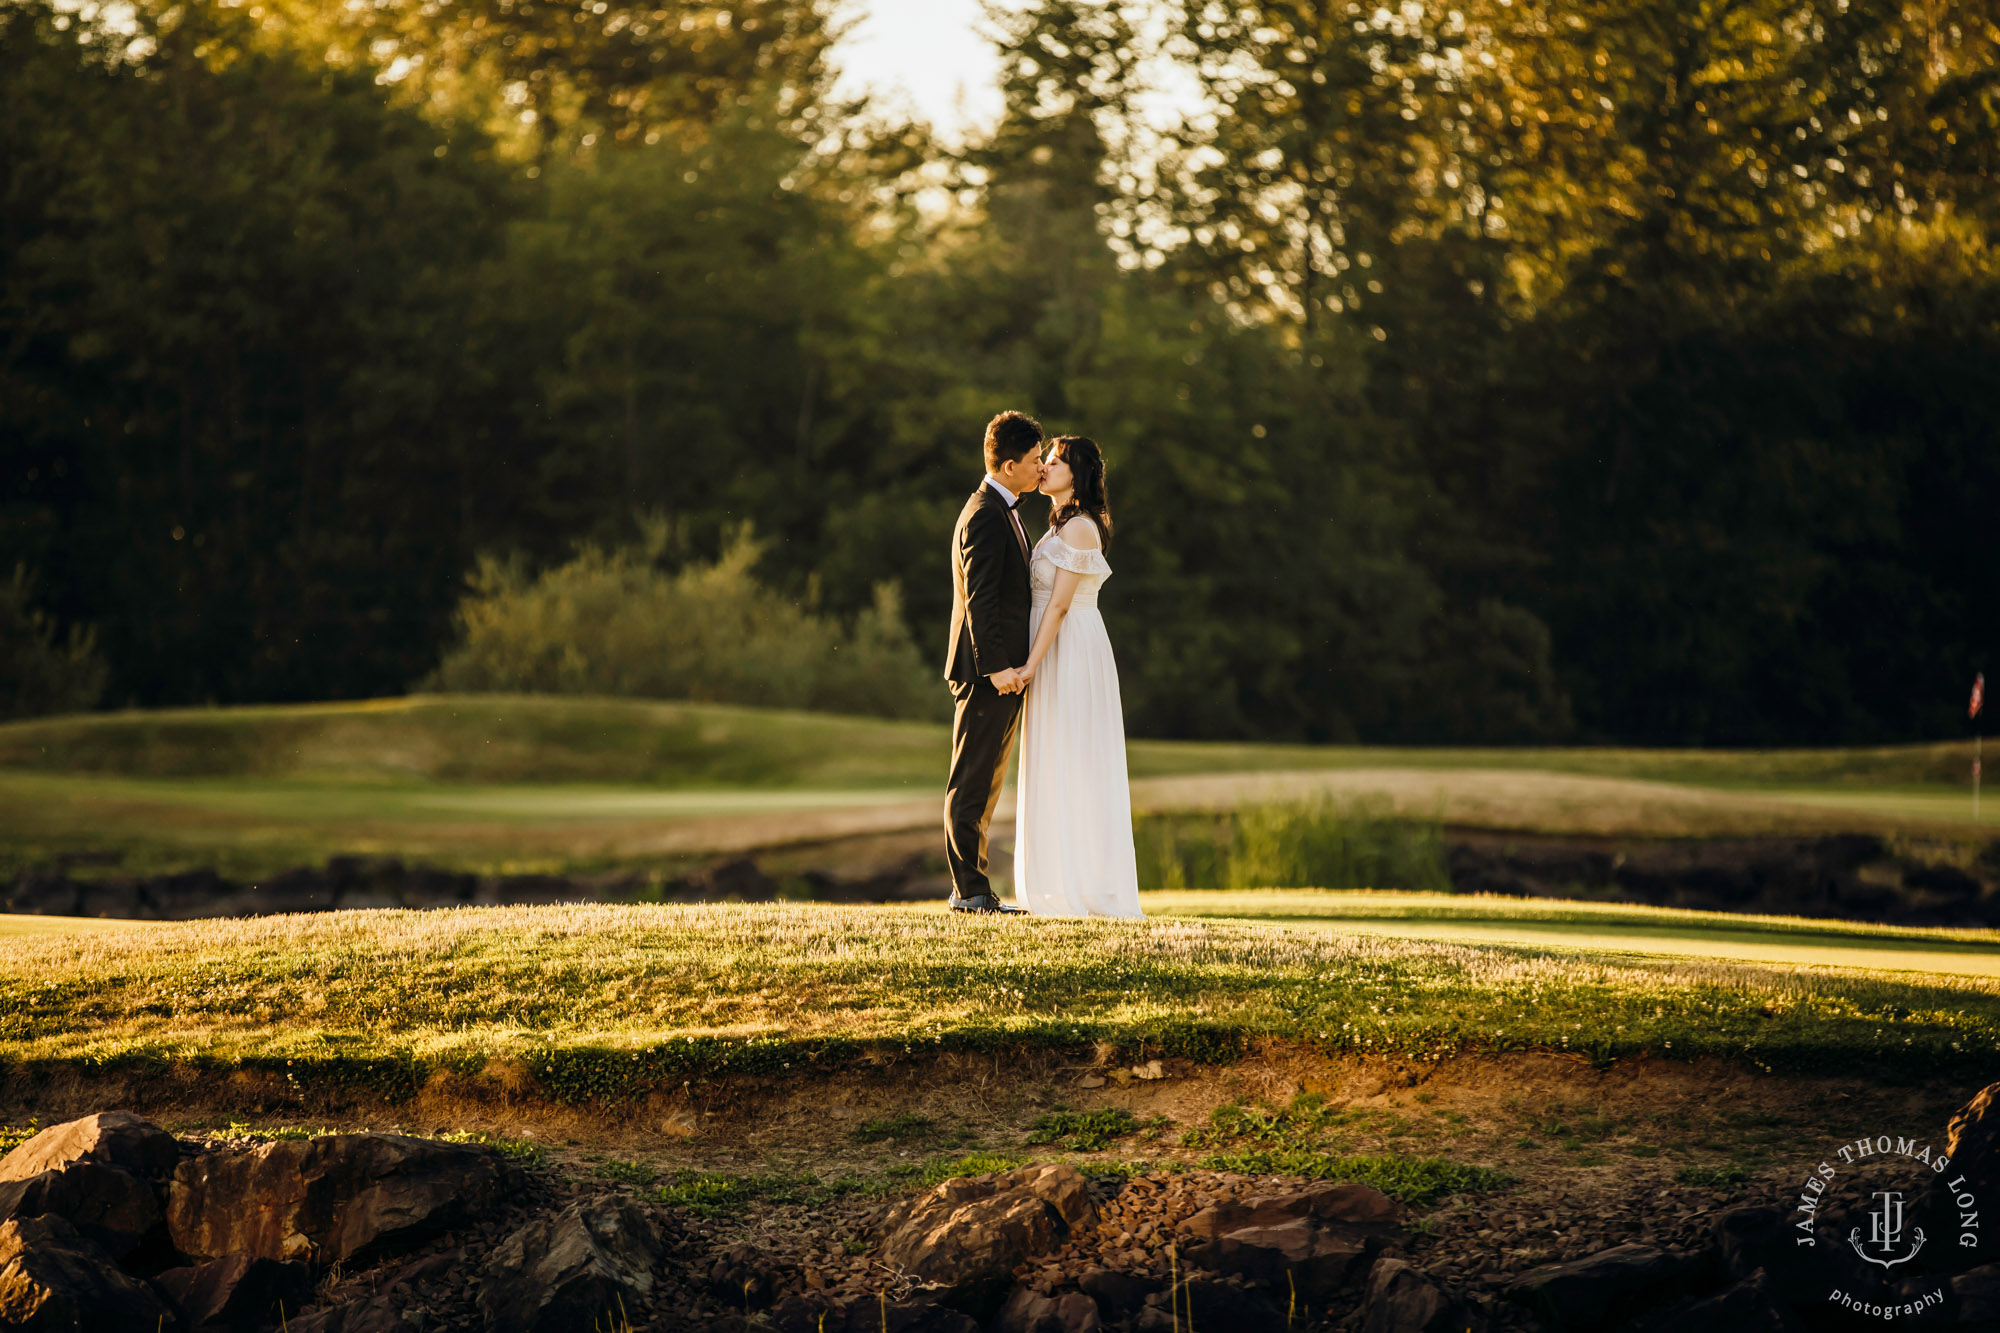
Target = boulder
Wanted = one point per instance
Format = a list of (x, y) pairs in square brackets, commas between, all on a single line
[(1601, 1289), (1304, 1245), (741, 1276), (1028, 1311), (919, 1314), (342, 1198), (379, 1314), (1973, 1141), (54, 1278), (237, 1294), (590, 1262), (968, 1235), (1211, 1303), (114, 1208), (1401, 1298), (1976, 1293), (1749, 1306), (1118, 1295), (109, 1138)]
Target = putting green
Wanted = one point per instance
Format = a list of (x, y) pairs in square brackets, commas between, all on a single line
[(1613, 928)]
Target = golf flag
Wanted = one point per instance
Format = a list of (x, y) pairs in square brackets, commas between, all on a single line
[(1978, 694)]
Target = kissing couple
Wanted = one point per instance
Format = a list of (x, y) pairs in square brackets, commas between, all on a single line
[(1029, 654)]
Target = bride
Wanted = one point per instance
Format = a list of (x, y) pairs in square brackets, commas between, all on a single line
[(1073, 818)]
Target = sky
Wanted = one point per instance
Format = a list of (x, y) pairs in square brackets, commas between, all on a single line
[(927, 53)]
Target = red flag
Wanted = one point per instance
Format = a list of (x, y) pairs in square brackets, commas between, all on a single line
[(1978, 694)]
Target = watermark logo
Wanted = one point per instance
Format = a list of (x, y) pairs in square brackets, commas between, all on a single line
[(1866, 1211)]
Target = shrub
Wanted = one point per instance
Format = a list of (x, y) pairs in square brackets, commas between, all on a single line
[(616, 623), (41, 673), (1320, 843)]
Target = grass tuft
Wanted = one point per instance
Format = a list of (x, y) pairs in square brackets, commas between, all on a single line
[(1417, 1181)]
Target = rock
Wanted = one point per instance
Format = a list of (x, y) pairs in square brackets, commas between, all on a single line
[(591, 1261), (1597, 1291), (380, 1314), (237, 1294), (1402, 1299), (384, 1302), (808, 1314), (1211, 1303), (1028, 1311), (1304, 1246), (1977, 1295), (114, 1208), (1118, 1295), (1748, 1306), (968, 1235), (1762, 1239), (109, 1138), (741, 1276), (54, 1278), (346, 1198), (1973, 1141)]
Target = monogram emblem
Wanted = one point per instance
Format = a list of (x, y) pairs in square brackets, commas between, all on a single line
[(1885, 1233)]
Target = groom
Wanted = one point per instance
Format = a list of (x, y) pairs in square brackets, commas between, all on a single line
[(989, 645)]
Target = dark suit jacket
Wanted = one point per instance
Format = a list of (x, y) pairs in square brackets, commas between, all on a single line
[(990, 599)]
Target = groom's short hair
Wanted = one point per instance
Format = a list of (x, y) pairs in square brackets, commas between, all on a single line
[(1010, 437)]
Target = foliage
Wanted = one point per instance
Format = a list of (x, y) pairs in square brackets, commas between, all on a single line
[(1417, 1181), (1321, 841), (613, 623), (1492, 371), (1084, 1131), (902, 1125), (39, 672)]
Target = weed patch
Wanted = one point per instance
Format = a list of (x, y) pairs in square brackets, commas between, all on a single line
[(1418, 1181)]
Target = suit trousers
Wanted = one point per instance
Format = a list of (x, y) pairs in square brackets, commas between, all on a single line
[(983, 725)]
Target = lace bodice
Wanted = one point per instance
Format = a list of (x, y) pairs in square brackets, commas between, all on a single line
[(1053, 553)]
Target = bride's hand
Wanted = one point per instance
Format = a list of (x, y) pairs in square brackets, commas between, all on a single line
[(1024, 675)]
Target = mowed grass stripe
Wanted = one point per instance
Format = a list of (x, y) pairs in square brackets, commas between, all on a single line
[(608, 1000)]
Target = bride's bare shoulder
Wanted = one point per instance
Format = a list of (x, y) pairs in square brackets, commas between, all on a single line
[(1081, 533)]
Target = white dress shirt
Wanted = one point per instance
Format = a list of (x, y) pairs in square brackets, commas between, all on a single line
[(1013, 508)]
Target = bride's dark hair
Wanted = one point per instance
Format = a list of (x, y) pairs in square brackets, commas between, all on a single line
[(1086, 466)]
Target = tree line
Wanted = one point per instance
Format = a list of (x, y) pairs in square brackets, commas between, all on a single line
[(1470, 371)]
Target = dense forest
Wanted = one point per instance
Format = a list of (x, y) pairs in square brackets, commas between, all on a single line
[(1474, 370)]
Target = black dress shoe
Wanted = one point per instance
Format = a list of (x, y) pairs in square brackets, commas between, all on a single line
[(984, 904)]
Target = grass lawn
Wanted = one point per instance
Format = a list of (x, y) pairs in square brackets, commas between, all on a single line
[(499, 783), (597, 1001)]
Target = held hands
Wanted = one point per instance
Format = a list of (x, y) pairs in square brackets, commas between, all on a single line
[(1013, 680)]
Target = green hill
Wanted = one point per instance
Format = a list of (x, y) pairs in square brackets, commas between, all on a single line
[(517, 738)]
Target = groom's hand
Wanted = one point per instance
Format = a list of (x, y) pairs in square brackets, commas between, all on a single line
[(1008, 681)]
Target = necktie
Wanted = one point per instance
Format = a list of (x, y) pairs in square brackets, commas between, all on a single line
[(1014, 516)]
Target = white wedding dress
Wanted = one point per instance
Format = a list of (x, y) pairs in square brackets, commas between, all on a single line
[(1073, 807)]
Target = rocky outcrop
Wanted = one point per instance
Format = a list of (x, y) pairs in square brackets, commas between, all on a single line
[(53, 1278), (968, 1235), (97, 1173), (114, 1208), (237, 1294), (1312, 1242), (110, 1138), (1402, 1299), (1028, 1311), (1973, 1140), (923, 1314), (342, 1198), (1602, 1289), (588, 1265)]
